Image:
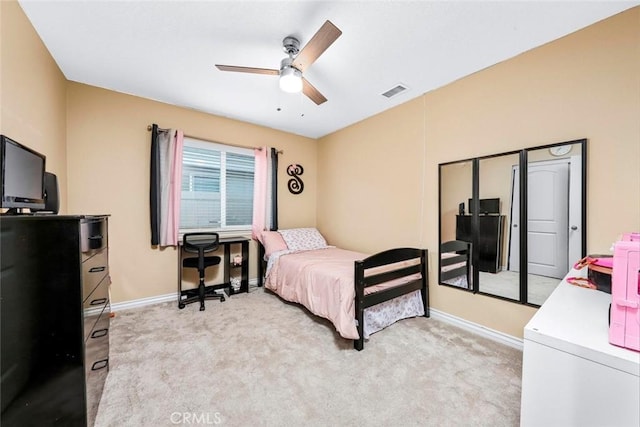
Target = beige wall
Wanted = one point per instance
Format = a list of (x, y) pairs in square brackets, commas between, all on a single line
[(32, 93), (585, 85), (370, 177), (108, 152)]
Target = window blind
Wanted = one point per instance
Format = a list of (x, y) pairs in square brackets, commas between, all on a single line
[(217, 187)]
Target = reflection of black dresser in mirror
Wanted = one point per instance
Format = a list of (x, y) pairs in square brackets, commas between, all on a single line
[(489, 248)]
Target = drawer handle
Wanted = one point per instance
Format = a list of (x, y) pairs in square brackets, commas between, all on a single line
[(97, 269), (100, 333), (98, 237), (98, 301), (100, 364)]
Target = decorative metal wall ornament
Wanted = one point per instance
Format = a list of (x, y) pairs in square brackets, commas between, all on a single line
[(295, 184)]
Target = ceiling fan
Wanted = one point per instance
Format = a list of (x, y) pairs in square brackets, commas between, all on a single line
[(292, 67)]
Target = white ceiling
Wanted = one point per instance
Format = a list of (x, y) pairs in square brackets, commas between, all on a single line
[(166, 50)]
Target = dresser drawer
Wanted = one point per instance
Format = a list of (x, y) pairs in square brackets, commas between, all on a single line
[(95, 304), (96, 363), (94, 381), (99, 296), (97, 340), (91, 312), (93, 236), (94, 270)]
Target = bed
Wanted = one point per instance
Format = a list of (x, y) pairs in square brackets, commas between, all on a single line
[(455, 263), (359, 293)]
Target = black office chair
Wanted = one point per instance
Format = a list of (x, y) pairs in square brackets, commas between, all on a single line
[(201, 244)]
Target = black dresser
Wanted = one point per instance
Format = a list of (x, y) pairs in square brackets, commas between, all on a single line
[(54, 309), (490, 240)]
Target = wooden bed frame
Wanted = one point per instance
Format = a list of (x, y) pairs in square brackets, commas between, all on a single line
[(362, 281), (462, 250)]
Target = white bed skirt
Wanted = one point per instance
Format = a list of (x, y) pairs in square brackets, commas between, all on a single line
[(387, 313)]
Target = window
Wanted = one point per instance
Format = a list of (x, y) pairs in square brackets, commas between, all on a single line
[(217, 187)]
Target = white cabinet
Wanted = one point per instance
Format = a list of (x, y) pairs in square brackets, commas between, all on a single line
[(571, 375)]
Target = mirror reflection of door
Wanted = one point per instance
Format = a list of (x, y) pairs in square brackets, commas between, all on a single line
[(553, 209), (548, 218)]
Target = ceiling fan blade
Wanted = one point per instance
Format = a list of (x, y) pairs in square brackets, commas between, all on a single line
[(320, 41), (251, 70), (312, 93)]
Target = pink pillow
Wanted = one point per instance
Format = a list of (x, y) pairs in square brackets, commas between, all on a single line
[(303, 239), (272, 242)]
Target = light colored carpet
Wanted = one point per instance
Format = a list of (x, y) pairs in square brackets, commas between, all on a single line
[(255, 360)]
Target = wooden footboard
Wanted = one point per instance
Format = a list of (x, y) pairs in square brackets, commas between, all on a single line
[(460, 252), (262, 264), (364, 280)]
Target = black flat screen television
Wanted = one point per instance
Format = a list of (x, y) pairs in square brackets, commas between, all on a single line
[(487, 206), (22, 176)]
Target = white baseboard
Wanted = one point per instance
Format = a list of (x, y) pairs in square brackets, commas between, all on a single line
[(136, 303), (172, 297), (492, 334)]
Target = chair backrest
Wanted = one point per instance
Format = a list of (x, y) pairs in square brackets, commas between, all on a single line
[(201, 242)]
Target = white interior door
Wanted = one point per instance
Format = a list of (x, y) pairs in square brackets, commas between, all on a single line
[(548, 219)]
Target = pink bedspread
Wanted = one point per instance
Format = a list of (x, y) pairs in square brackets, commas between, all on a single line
[(322, 281)]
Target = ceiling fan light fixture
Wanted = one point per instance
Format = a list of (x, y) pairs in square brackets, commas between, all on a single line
[(297, 61), (290, 80)]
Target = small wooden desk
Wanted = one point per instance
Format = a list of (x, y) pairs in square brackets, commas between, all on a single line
[(227, 265)]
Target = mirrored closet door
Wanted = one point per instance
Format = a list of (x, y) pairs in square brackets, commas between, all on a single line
[(513, 224)]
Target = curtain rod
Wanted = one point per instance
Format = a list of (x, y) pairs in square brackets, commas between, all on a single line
[(150, 128)]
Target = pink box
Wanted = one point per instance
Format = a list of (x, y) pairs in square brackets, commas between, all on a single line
[(624, 326)]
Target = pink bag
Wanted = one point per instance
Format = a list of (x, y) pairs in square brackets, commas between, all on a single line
[(599, 273)]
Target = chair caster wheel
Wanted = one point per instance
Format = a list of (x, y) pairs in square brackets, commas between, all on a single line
[(181, 306), (202, 308)]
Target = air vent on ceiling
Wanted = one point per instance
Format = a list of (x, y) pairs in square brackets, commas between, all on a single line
[(394, 91)]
